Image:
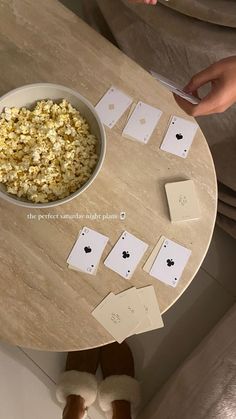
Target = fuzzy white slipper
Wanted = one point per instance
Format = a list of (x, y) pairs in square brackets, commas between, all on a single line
[(118, 387), (78, 383)]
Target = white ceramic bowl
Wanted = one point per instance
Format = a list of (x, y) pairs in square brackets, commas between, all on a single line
[(27, 96)]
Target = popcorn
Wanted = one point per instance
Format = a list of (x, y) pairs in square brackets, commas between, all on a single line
[(46, 153)]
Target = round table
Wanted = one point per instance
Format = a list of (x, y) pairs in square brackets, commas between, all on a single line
[(43, 304)]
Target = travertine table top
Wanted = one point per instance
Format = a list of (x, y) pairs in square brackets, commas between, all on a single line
[(43, 304)]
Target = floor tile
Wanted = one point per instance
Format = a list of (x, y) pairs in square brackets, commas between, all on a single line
[(26, 392), (219, 261), (51, 363)]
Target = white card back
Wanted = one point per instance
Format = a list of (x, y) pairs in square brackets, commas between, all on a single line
[(151, 259), (114, 315), (182, 200), (134, 305), (153, 318)]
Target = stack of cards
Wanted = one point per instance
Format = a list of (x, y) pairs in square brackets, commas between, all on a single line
[(87, 251), (142, 123), (182, 201), (131, 312), (175, 88), (167, 261)]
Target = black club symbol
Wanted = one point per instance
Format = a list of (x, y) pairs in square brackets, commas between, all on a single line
[(125, 254), (170, 262)]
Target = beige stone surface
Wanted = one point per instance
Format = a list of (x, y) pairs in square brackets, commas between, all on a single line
[(44, 305)]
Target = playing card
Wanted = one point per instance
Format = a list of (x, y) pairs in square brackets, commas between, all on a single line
[(134, 305), (153, 319), (132, 108), (142, 122), (170, 263), (179, 136), (126, 255), (73, 268), (115, 316), (87, 250), (175, 88), (112, 106), (182, 200), (149, 262)]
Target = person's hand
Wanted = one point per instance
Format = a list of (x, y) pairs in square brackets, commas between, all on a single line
[(222, 76), (153, 2)]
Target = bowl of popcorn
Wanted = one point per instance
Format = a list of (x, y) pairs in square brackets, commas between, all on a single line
[(52, 145)]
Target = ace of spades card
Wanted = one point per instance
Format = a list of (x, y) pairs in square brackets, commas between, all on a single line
[(179, 136), (87, 251)]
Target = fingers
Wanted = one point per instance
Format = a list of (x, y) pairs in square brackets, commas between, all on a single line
[(185, 105), (214, 102), (196, 110), (222, 76), (201, 78)]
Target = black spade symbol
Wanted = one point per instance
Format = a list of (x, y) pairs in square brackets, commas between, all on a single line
[(125, 254), (179, 136), (170, 262), (87, 249)]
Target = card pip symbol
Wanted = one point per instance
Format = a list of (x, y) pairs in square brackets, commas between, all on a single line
[(125, 254), (142, 121), (122, 215), (111, 106), (179, 136), (131, 309), (170, 262), (182, 200), (87, 249), (115, 318)]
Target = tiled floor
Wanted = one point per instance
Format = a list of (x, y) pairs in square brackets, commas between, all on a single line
[(26, 391), (27, 386), (27, 378), (219, 262)]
